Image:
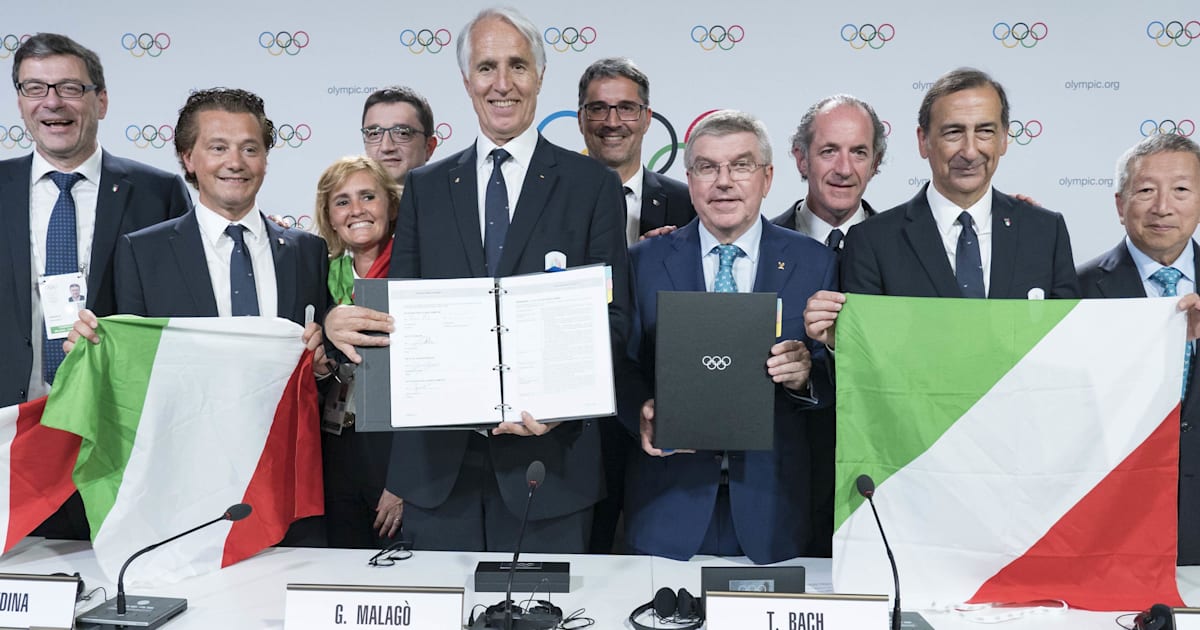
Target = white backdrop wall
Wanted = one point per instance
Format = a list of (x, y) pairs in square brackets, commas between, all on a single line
[(1086, 80)]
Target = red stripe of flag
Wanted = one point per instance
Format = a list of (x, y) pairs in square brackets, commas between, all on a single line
[(40, 463)]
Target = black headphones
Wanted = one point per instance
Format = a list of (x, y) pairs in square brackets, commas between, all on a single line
[(672, 608), (1158, 617), (542, 614)]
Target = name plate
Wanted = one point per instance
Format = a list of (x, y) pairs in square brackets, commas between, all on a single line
[(37, 600), (329, 606), (1187, 619), (780, 611)]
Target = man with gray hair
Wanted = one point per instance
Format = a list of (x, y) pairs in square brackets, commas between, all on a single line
[(729, 503), (511, 203), (838, 147), (614, 116), (64, 207), (1158, 202)]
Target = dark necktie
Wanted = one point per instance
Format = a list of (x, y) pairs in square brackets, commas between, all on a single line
[(495, 213), (968, 262), (61, 257), (724, 282), (243, 296), (1168, 278), (834, 240)]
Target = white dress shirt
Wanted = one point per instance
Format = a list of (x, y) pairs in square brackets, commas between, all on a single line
[(633, 207), (815, 227), (745, 267), (43, 194), (218, 246), (514, 169), (945, 214)]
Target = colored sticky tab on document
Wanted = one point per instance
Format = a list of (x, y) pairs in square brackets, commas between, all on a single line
[(608, 282), (778, 317)]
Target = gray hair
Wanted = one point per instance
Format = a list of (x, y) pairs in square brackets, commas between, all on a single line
[(803, 138), (51, 44), (612, 68), (727, 122), (526, 28), (1155, 144), (957, 81)]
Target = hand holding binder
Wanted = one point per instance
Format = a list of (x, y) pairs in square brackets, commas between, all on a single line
[(790, 364), (348, 326), (527, 427)]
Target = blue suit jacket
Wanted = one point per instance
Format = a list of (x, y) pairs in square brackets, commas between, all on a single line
[(669, 500), (569, 203), (1113, 274), (900, 252), (161, 271), (665, 201), (132, 195)]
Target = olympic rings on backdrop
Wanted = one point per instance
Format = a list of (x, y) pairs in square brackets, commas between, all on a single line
[(425, 39), (569, 38), (1173, 32), (149, 135), (283, 41), (859, 37), (292, 135), (1184, 127), (145, 44), (15, 137), (1020, 33), (713, 37)]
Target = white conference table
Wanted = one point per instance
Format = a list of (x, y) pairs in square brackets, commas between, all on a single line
[(250, 594)]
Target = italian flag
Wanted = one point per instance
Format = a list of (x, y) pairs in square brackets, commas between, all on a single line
[(35, 469), (1022, 450), (181, 419)]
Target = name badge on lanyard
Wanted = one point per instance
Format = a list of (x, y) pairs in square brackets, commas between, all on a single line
[(63, 296)]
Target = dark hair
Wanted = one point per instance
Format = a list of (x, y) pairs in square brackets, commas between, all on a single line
[(221, 99), (802, 139), (51, 44), (957, 81), (612, 68), (402, 94)]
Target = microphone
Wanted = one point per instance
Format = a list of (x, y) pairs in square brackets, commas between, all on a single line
[(866, 487), (161, 608), (534, 476)]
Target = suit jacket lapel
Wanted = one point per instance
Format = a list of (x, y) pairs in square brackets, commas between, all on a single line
[(283, 251), (684, 272), (654, 203), (111, 200), (189, 256), (1121, 277), (14, 211), (540, 179), (922, 235), (464, 202), (772, 250), (1006, 233)]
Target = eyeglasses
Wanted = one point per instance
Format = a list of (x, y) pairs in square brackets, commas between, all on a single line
[(740, 170), (395, 552), (626, 110), (401, 134), (64, 89)]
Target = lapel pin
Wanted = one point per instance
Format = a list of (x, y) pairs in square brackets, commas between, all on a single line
[(1007, 222), (456, 180), (655, 202), (540, 176), (781, 265), (281, 240), (115, 187)]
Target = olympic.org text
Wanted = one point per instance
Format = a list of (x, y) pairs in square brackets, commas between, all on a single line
[(922, 86), (1093, 85), (350, 90), (1086, 182)]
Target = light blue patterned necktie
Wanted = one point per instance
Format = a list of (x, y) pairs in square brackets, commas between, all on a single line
[(1168, 278), (724, 281)]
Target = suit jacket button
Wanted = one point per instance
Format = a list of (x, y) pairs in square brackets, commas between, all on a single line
[(28, 342), (21, 394), (1185, 426)]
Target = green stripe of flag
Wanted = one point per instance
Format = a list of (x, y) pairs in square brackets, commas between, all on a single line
[(909, 368), (108, 391)]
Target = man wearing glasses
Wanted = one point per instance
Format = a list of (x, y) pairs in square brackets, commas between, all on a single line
[(63, 208), (614, 115), (397, 130), (752, 503)]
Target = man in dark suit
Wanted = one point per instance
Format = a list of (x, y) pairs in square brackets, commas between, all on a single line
[(462, 489), (753, 503), (838, 147), (614, 115), (958, 237), (62, 96), (112, 196), (1158, 202), (224, 258)]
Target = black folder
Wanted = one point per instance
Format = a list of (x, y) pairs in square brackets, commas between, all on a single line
[(712, 390)]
